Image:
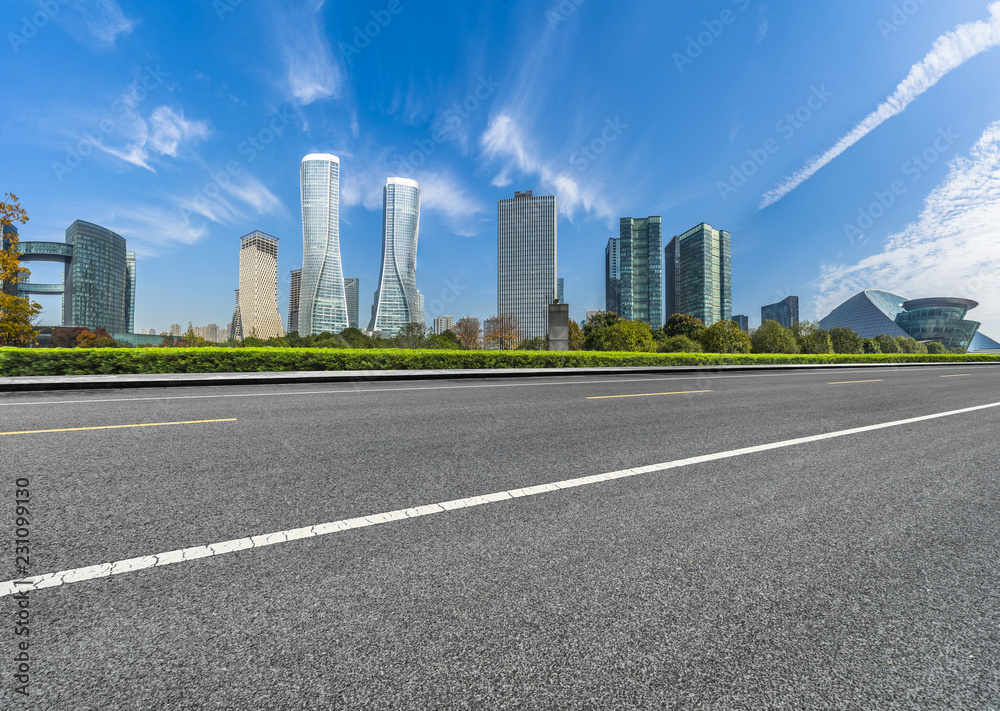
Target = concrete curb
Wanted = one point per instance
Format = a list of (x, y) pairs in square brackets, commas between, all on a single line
[(168, 380)]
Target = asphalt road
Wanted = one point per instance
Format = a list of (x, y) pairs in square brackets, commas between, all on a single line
[(854, 572)]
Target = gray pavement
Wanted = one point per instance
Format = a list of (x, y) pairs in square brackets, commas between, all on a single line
[(857, 572)]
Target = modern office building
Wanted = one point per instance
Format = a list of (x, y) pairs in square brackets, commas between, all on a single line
[(443, 323), (641, 270), (98, 287), (322, 301), (981, 343), (697, 275), (526, 255), (396, 304), (352, 290), (742, 321), (873, 312), (561, 290), (293, 301), (785, 312), (256, 312), (612, 276)]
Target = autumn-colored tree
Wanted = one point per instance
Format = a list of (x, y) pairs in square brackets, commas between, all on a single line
[(99, 338), (65, 337), (16, 312), (469, 333), (502, 332)]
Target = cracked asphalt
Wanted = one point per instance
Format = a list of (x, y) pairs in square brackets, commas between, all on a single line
[(852, 573)]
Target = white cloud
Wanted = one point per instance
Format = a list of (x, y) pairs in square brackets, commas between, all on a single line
[(148, 228), (228, 203), (503, 141), (953, 249), (311, 73), (948, 52), (166, 133), (97, 22)]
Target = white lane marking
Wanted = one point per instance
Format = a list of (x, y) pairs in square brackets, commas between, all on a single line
[(576, 380), (104, 570)]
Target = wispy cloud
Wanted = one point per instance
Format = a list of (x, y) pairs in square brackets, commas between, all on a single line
[(504, 142), (311, 73), (98, 22), (233, 202), (953, 249), (948, 52), (150, 228), (166, 133), (762, 24)]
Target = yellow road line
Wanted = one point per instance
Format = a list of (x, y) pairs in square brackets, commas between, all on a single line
[(962, 375), (845, 382), (682, 392), (116, 427)]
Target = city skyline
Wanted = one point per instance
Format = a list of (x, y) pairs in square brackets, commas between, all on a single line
[(178, 150)]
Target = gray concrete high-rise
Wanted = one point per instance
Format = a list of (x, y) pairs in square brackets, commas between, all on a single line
[(256, 312), (443, 323), (697, 275), (396, 303), (322, 301), (641, 271), (352, 289), (526, 260)]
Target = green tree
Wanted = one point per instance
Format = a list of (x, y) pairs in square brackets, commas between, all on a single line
[(629, 336), (682, 325), (772, 337), (576, 337), (534, 344), (16, 312), (193, 341), (844, 340), (446, 340), (908, 344), (725, 337), (886, 343), (412, 335), (811, 338), (935, 347), (356, 338), (870, 345), (596, 328), (678, 344)]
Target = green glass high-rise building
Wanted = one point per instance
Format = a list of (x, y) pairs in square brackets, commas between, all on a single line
[(698, 275), (640, 269)]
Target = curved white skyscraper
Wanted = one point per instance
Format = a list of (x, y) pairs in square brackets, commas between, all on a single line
[(322, 301), (397, 301)]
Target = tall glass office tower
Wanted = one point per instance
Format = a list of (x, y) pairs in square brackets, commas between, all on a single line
[(322, 301), (526, 252), (130, 292), (98, 290), (698, 275), (641, 271), (613, 276), (352, 287), (397, 301), (293, 301)]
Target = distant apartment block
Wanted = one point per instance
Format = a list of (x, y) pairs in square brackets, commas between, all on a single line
[(641, 291), (352, 289), (444, 323), (742, 321), (148, 331), (293, 300), (526, 254), (697, 275), (612, 276), (176, 330), (591, 313), (256, 312), (785, 312)]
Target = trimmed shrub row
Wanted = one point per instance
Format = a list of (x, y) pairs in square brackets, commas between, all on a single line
[(95, 361)]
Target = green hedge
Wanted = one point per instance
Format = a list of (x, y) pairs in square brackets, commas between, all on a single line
[(91, 361)]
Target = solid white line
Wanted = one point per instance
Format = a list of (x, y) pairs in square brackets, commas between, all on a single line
[(568, 380), (104, 570)]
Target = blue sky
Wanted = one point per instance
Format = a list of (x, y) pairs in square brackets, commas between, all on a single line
[(181, 126)]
